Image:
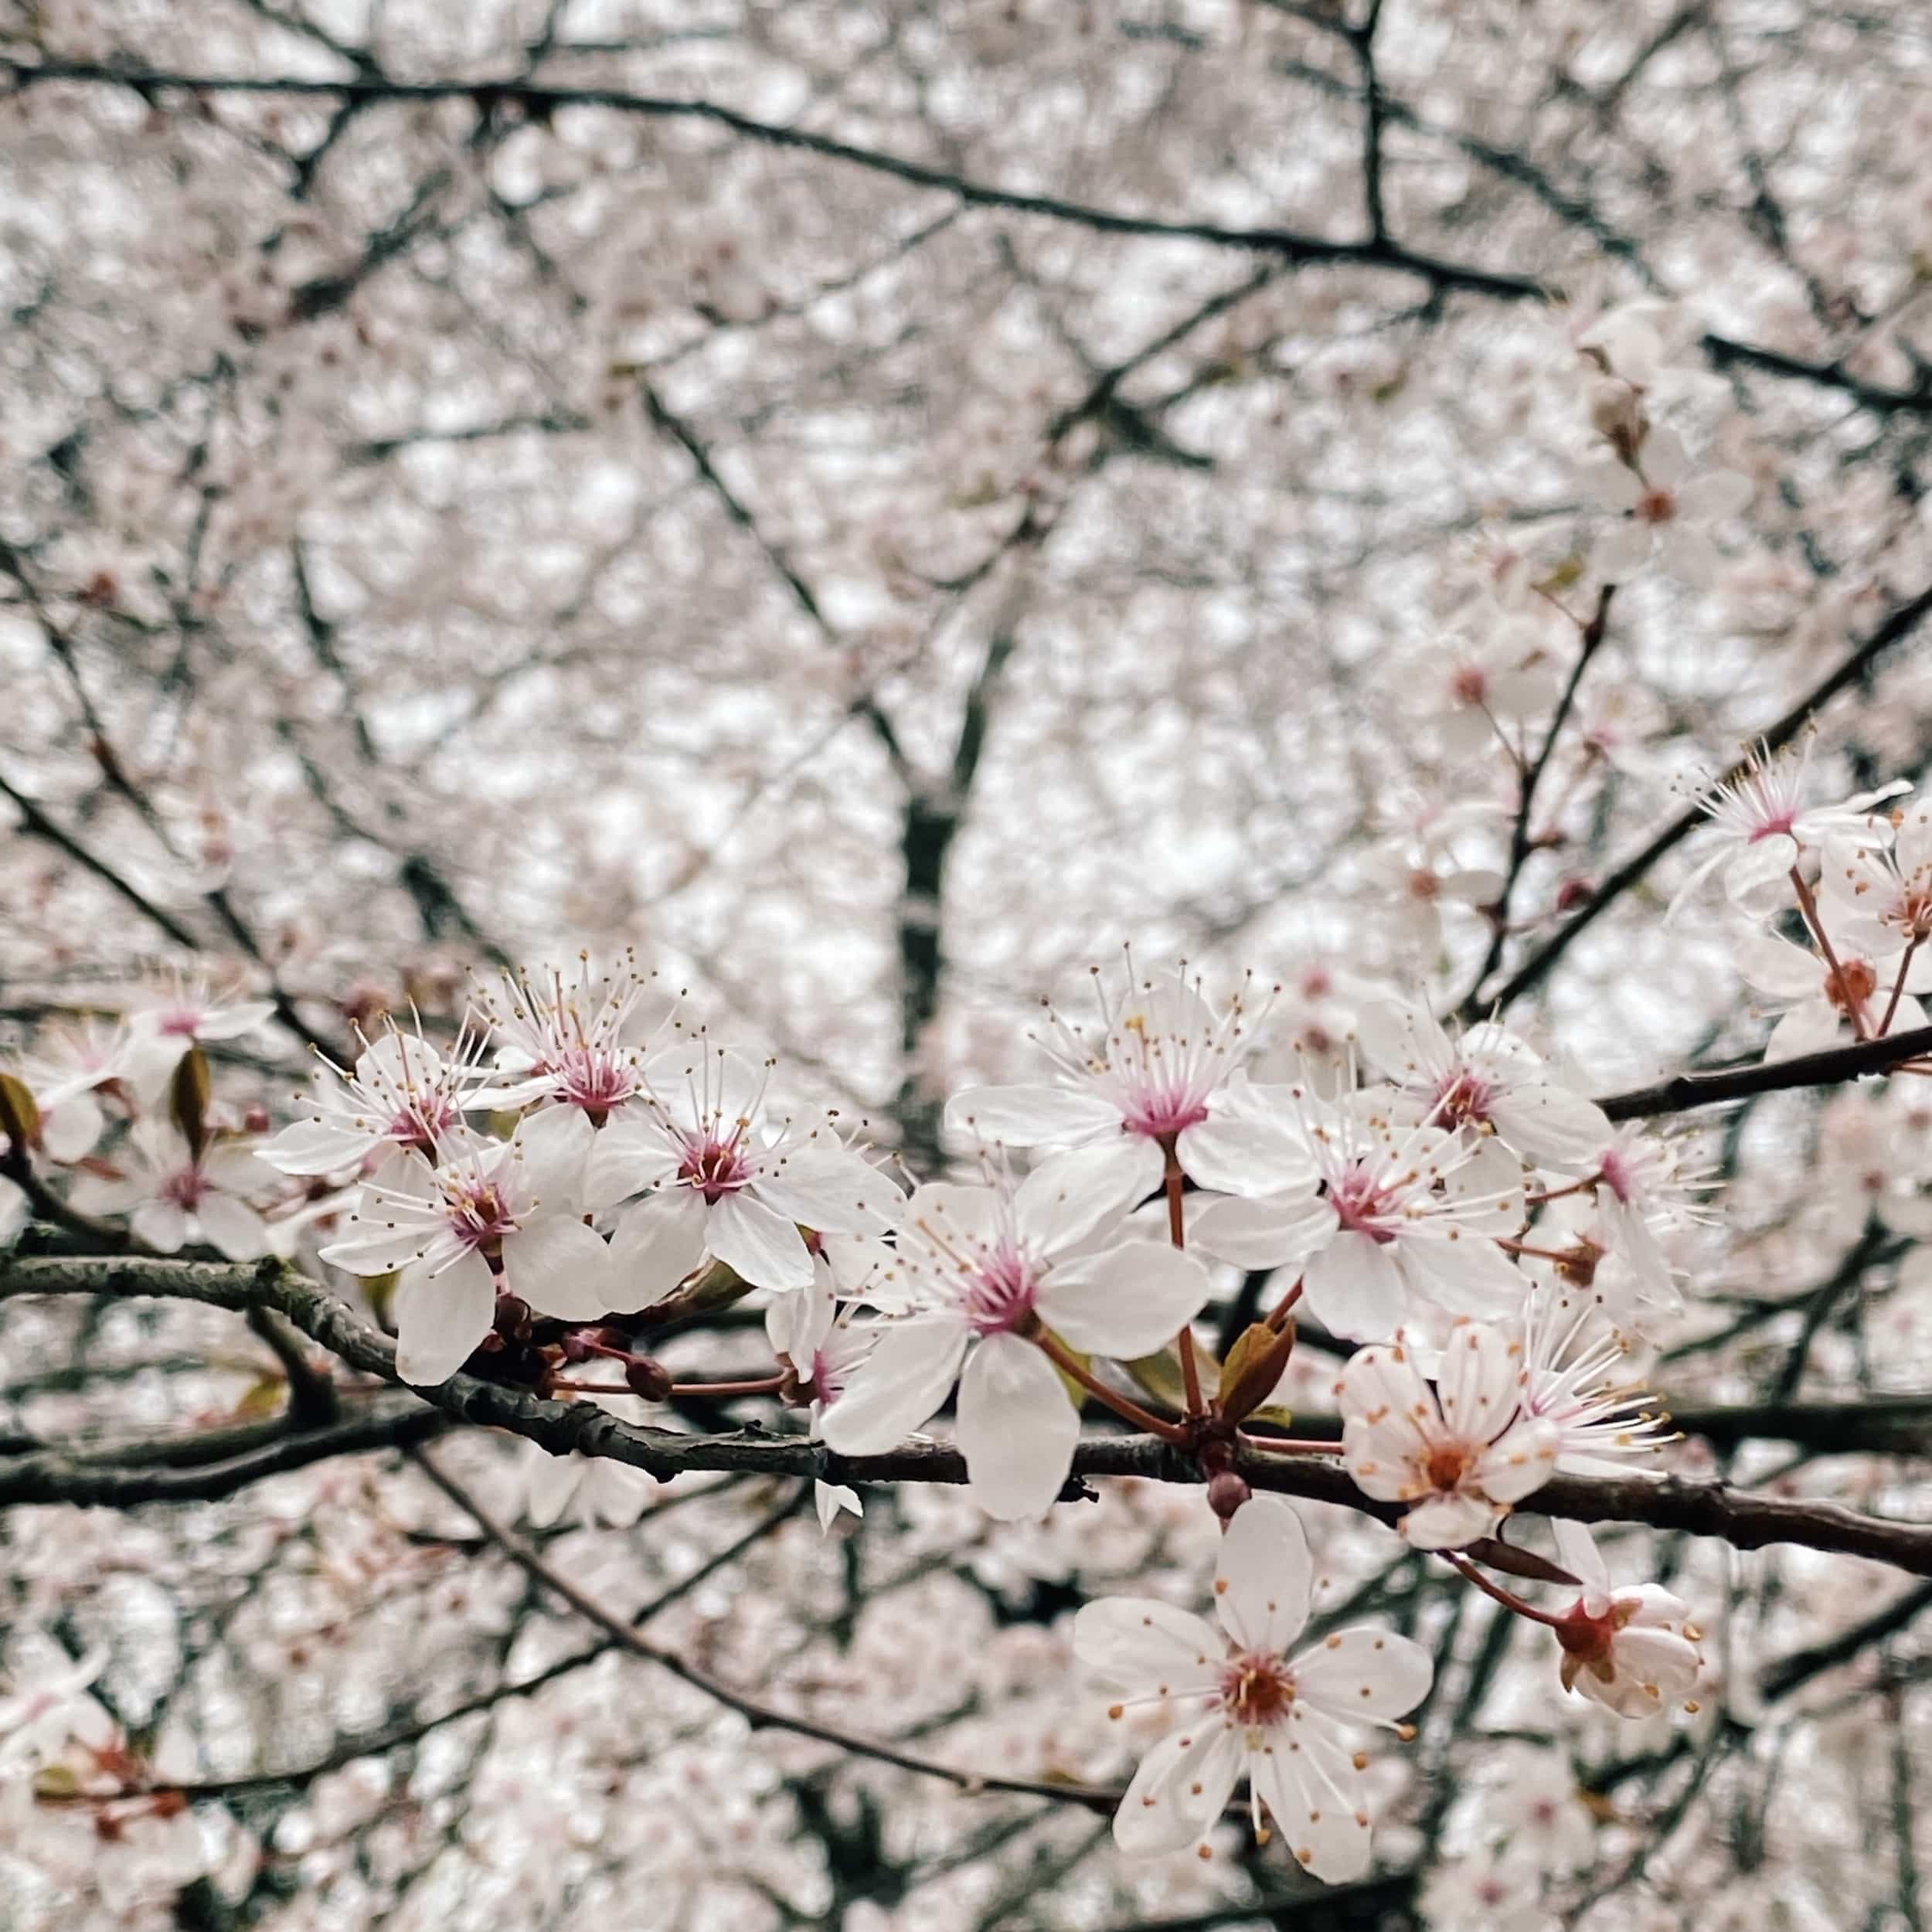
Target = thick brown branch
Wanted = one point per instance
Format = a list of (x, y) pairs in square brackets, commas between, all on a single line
[(1745, 1520), (1835, 1063)]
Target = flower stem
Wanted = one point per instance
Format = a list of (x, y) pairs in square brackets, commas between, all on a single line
[(1291, 1445), (1807, 905), (1177, 1234), (1125, 1406), (1898, 985), (1507, 1598)]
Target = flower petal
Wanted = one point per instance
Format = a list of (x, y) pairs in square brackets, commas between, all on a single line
[(1016, 1428), (1244, 1152), (441, 1317), (1180, 1791), (1280, 1232), (1304, 1777), (1354, 1289), (1261, 1582), (1365, 1673), (831, 1191), (1031, 1116), (658, 1241), (762, 1247), (1126, 1302), (561, 1268), (898, 1387), (1138, 1644), (1069, 1196)]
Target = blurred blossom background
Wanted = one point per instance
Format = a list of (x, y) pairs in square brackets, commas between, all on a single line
[(851, 511)]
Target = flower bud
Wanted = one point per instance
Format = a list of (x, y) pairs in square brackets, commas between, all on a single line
[(648, 1378), (1226, 1492), (1617, 414), (1254, 1368)]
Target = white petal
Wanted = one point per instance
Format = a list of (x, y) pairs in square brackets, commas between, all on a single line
[(1032, 1116), (232, 1227), (1282, 1232), (1322, 1820), (1126, 1302), (1469, 1275), (1404, 1042), (829, 1498), (1354, 1289), (1718, 493), (441, 1318), (1069, 1196), (161, 1224), (1394, 1672), (550, 1483), (950, 1217), (1758, 882), (1523, 1460), (315, 1146), (1180, 1791), (1233, 1153), (1552, 1126), (1016, 1428), (1666, 461), (762, 1247), (561, 1268), (70, 1130), (898, 1387), (554, 1145), (833, 1192), (628, 1155), (658, 1241), (1807, 1027), (1481, 1380), (1449, 1522), (1137, 1644), (1261, 1582)]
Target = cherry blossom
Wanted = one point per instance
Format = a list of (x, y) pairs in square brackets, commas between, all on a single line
[(1664, 508), (1153, 1078), (716, 1180), (172, 1196), (164, 1020), (403, 1097), (1647, 1187), (1460, 1453), (1877, 899), (1406, 1215), (980, 1270), (1488, 1079), (1822, 999), (1571, 1355), (496, 1213), (1761, 826), (71, 1065), (1243, 1708), (1630, 1648), (806, 1334)]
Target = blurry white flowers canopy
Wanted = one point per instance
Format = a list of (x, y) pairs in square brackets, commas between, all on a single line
[(962, 965)]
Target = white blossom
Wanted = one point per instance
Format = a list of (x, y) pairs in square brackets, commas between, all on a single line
[(1242, 1708)]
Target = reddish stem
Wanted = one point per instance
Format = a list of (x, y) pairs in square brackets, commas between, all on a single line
[(1125, 1406), (1807, 905), (1177, 1234), (1898, 986), (1509, 1599)]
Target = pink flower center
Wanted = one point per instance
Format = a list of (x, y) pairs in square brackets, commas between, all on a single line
[(479, 1216), (184, 1020), (714, 1167), (1359, 1200), (593, 1079), (1656, 506), (1615, 1173), (999, 1295), (184, 1189), (1468, 685), (1162, 1109), (1463, 1100), (1257, 1690), (828, 1379), (420, 1122)]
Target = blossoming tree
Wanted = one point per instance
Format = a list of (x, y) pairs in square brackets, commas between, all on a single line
[(963, 964)]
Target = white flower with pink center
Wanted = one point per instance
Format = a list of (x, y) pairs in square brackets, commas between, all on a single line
[(804, 1330), (1242, 1708), (1405, 1215), (403, 1097), (1822, 999), (1761, 826), (1460, 1453), (497, 1214), (1878, 899), (68, 1068), (580, 1047), (171, 1197), (716, 1180), (1664, 508), (166, 1020), (1488, 1080), (1154, 1075), (1572, 1362), (1647, 1187), (980, 1271)]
